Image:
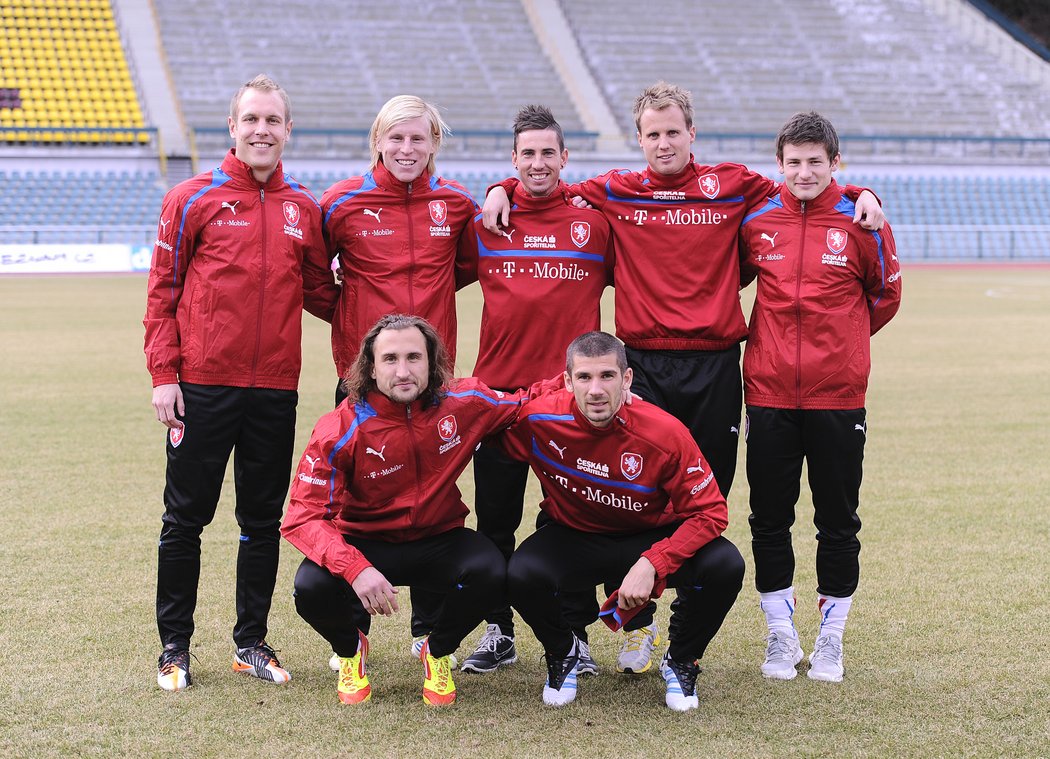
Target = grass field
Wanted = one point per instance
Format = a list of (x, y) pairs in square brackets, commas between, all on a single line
[(947, 649)]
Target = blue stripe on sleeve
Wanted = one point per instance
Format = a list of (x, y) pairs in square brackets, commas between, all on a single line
[(218, 179), (367, 185)]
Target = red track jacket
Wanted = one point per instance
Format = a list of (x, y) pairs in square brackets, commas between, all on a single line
[(825, 285), (398, 245), (233, 263), (543, 281), (642, 471), (387, 470)]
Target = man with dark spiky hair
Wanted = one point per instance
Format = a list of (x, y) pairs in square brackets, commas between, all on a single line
[(825, 286), (555, 260)]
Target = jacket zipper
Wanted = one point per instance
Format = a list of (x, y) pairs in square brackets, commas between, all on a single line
[(262, 288), (415, 455), (798, 311), (411, 250)]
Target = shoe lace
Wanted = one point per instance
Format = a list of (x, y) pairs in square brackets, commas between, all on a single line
[(686, 674), (441, 672), (490, 639), (348, 674), (828, 647), (779, 647), (170, 658), (558, 669), (636, 639), (264, 649)]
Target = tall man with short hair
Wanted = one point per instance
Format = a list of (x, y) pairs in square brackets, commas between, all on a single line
[(633, 505), (678, 311), (239, 252), (556, 260), (825, 285), (375, 504)]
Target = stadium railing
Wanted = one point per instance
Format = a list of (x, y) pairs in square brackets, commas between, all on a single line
[(353, 143), (900, 148)]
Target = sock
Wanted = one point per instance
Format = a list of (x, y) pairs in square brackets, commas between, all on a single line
[(779, 608), (833, 613)]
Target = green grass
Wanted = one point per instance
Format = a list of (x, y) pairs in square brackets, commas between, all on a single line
[(947, 647)]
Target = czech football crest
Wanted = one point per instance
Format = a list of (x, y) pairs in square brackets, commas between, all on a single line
[(438, 212), (176, 435), (291, 213), (630, 465), (447, 425), (837, 240), (709, 185), (580, 231)]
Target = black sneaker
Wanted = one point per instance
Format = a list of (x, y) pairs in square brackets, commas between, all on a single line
[(173, 668), (494, 650)]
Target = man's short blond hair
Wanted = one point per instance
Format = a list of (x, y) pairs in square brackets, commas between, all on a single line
[(660, 96), (262, 83), (404, 108)]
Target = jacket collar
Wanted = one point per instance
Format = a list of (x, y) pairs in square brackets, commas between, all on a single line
[(689, 173), (386, 407), (241, 173), (382, 176), (825, 201), (559, 197)]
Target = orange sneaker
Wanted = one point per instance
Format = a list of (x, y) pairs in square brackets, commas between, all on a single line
[(354, 687), (438, 688)]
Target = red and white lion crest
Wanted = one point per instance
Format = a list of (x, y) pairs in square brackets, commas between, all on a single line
[(291, 213), (438, 212), (709, 185), (447, 426), (580, 232), (837, 240), (631, 465)]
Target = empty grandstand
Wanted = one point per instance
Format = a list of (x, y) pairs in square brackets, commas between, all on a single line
[(942, 113)]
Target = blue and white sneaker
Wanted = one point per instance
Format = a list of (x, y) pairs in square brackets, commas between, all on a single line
[(681, 683), (560, 688)]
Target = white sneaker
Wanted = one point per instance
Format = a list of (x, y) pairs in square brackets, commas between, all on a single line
[(560, 686), (825, 663), (681, 684), (636, 654), (417, 649), (782, 654)]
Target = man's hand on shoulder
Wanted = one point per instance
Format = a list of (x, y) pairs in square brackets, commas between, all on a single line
[(495, 213), (868, 213)]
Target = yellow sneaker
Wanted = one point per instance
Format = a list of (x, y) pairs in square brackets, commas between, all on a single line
[(354, 687), (438, 688)]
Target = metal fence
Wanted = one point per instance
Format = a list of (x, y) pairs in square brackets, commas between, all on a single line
[(915, 242)]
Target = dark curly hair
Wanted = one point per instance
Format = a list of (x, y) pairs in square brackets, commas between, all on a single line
[(359, 382)]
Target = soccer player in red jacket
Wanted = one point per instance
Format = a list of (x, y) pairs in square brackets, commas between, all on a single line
[(674, 228), (399, 231), (556, 259), (374, 504), (825, 285), (633, 505), (239, 253)]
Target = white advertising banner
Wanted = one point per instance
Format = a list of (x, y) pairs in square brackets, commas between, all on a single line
[(72, 259)]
